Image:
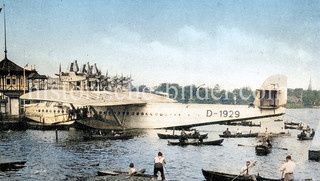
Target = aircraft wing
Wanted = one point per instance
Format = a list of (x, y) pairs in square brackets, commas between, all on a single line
[(96, 98)]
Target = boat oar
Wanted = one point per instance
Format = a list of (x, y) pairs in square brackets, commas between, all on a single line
[(281, 148), (246, 145), (243, 171), (272, 147)]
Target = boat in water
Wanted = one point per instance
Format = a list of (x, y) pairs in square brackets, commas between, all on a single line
[(262, 150), (196, 143), (218, 176), (189, 136), (250, 135)]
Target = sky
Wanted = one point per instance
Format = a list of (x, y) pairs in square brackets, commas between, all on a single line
[(233, 43)]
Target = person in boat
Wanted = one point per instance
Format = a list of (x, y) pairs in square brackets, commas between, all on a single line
[(266, 142), (196, 133), (227, 132), (183, 133), (183, 139), (303, 134), (245, 170), (239, 132), (287, 169), (132, 170), (159, 162), (312, 132), (200, 139)]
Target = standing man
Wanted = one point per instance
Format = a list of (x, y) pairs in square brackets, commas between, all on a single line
[(159, 163), (288, 168)]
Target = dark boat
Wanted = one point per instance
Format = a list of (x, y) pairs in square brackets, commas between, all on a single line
[(196, 143), (6, 165), (217, 176), (250, 124), (304, 137), (189, 136), (108, 137), (291, 123), (263, 150), (239, 136)]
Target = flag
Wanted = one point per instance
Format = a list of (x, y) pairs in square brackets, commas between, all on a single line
[(0, 10)]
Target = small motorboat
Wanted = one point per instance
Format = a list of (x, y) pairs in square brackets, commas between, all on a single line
[(196, 143)]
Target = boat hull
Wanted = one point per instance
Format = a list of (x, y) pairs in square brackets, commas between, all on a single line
[(239, 136), (217, 176), (189, 136), (196, 143)]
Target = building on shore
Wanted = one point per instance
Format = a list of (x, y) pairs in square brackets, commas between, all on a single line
[(14, 81), (89, 78)]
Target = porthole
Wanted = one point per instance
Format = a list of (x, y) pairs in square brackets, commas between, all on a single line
[(137, 113), (46, 110), (156, 114), (132, 113), (118, 113), (100, 112), (142, 114), (146, 114), (150, 114), (127, 113), (54, 111), (123, 113), (42, 110), (58, 111), (62, 111), (50, 111), (161, 114)]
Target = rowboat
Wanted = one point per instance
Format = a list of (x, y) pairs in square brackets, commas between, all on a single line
[(239, 135), (120, 175), (292, 127), (214, 176), (263, 150), (291, 123), (189, 136), (196, 143)]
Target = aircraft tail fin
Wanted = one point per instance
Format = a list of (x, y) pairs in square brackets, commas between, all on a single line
[(273, 93)]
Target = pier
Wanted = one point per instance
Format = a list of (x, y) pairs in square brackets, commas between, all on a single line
[(314, 150)]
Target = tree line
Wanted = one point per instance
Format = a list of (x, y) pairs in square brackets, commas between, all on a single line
[(297, 98)]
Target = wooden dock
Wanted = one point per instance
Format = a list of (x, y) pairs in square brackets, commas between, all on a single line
[(314, 150)]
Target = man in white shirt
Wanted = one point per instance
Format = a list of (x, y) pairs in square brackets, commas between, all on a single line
[(159, 163), (132, 170), (287, 169)]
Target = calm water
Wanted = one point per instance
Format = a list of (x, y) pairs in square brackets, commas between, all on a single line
[(75, 159)]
